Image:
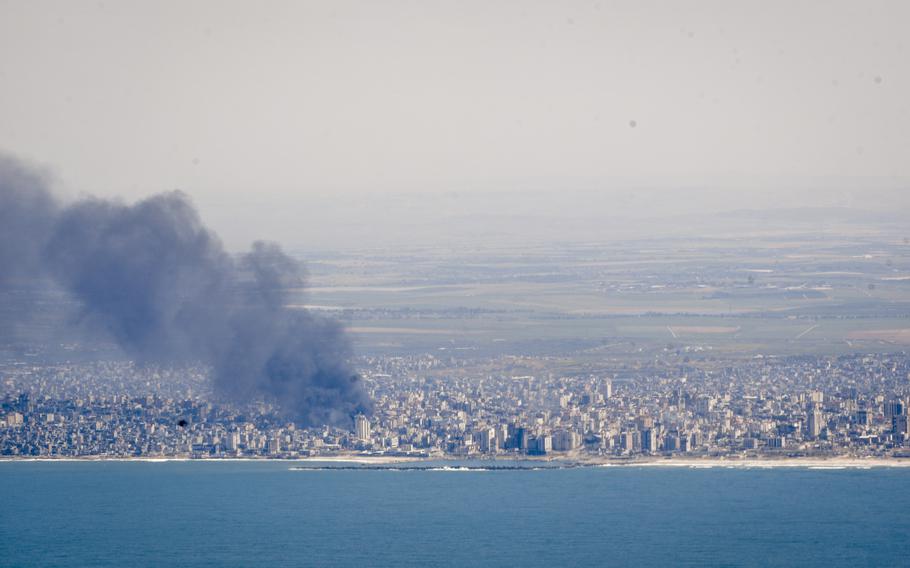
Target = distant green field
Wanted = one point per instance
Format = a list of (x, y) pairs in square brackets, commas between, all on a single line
[(771, 296), (679, 332)]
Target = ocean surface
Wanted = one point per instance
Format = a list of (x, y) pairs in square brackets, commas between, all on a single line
[(131, 514)]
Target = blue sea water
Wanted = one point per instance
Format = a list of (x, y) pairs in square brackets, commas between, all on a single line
[(266, 514)]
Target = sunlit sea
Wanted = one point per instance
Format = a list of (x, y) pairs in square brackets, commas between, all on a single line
[(266, 513)]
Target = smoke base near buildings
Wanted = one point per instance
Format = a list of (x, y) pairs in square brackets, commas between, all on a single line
[(162, 286)]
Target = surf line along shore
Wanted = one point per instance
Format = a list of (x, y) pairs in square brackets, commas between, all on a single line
[(523, 462)]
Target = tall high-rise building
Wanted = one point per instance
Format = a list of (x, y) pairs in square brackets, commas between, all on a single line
[(777, 442), (649, 440), (894, 408), (502, 435), (815, 423), (486, 438), (232, 441), (565, 440), (626, 441), (522, 439), (362, 427), (544, 443), (704, 405), (900, 425)]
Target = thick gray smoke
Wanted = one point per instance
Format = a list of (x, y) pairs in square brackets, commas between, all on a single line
[(161, 284), (27, 213)]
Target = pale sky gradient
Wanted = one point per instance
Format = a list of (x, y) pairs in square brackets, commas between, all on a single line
[(294, 105)]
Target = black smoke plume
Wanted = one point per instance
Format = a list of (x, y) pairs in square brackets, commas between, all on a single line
[(163, 287), (27, 214)]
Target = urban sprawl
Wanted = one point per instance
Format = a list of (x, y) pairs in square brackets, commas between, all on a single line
[(426, 406)]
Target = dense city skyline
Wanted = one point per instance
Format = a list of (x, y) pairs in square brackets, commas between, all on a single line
[(402, 283), (849, 406)]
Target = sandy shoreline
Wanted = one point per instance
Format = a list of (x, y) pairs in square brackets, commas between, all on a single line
[(377, 460), (691, 463), (749, 463)]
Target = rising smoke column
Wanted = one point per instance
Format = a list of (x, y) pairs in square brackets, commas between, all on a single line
[(163, 287), (27, 213), (150, 274), (291, 354)]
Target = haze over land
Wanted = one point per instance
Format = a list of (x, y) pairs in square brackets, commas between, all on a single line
[(319, 255), (331, 126), (508, 177)]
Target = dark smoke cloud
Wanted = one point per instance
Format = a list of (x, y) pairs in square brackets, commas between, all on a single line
[(27, 212), (161, 284), (150, 274)]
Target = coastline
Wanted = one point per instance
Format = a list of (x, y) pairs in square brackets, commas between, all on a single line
[(834, 462), (764, 463), (375, 460)]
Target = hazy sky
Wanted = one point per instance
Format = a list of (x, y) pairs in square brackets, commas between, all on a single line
[(276, 102)]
